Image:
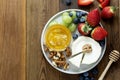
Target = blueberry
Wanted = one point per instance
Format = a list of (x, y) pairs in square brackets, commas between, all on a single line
[(83, 13), (86, 74), (81, 78), (78, 14), (81, 20), (86, 78), (76, 21), (75, 36), (102, 43), (94, 71), (92, 78), (68, 2), (70, 14)]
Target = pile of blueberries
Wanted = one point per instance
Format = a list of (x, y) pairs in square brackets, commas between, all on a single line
[(89, 75), (80, 17)]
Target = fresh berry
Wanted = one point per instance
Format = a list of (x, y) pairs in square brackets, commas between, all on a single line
[(73, 14), (92, 78), (86, 74), (72, 27), (78, 14), (82, 19), (93, 18), (108, 12), (98, 33), (68, 2), (64, 24), (102, 43), (84, 13), (75, 36), (81, 78), (86, 78), (94, 71), (76, 21), (65, 14), (84, 29), (104, 3), (70, 14), (66, 18), (100, 1), (84, 2), (53, 23)]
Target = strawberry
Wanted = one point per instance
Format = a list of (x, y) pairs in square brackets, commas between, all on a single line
[(84, 29), (104, 3), (98, 33), (100, 1), (93, 18), (84, 2), (108, 12)]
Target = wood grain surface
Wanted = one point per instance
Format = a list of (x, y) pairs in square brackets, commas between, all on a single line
[(21, 24), (12, 39), (38, 13)]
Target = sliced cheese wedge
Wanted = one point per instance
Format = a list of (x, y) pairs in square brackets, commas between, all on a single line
[(76, 61)]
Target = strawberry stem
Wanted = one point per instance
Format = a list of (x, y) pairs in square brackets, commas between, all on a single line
[(87, 28), (113, 9)]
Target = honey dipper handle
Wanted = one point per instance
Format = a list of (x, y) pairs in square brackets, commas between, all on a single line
[(105, 71)]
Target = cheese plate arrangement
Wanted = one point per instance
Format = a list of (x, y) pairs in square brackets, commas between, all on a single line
[(74, 41)]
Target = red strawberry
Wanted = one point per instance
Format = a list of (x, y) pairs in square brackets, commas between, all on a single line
[(99, 33), (93, 18), (84, 2), (100, 1), (108, 12), (104, 3), (84, 29)]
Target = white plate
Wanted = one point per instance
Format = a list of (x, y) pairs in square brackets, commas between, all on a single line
[(72, 69)]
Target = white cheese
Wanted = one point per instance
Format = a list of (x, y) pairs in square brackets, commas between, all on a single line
[(89, 58), (76, 61)]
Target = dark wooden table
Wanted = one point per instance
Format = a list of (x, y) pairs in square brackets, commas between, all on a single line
[(21, 24)]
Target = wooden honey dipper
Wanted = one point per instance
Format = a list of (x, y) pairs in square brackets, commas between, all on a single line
[(114, 56)]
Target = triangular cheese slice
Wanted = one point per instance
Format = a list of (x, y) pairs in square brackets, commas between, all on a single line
[(76, 61)]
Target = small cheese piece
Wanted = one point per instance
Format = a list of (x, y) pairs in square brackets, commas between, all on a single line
[(76, 61)]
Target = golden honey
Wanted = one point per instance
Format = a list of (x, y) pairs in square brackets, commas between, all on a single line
[(57, 37)]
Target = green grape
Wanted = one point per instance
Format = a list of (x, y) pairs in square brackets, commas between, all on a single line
[(72, 27), (74, 14), (64, 24), (67, 19), (65, 14), (53, 23)]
